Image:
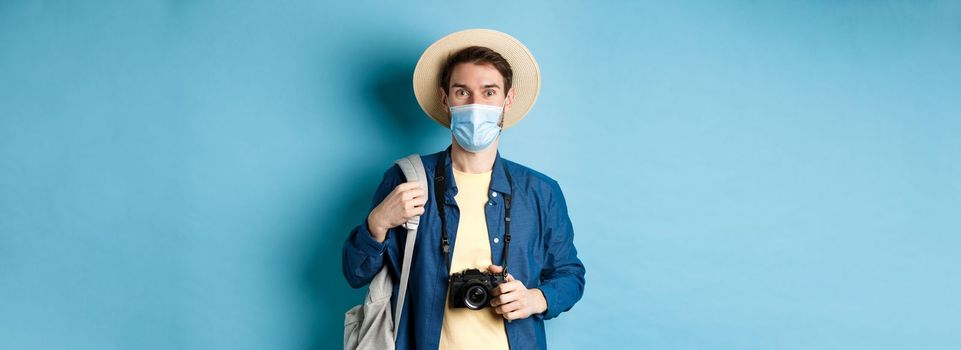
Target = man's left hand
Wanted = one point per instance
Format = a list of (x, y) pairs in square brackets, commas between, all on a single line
[(513, 300)]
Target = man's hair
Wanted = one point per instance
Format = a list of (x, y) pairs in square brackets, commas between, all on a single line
[(477, 55)]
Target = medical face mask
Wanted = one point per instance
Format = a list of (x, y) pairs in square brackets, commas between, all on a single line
[(475, 126)]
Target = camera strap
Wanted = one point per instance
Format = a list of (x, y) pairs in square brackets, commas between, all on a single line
[(440, 188)]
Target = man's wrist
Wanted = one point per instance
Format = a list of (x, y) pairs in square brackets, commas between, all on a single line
[(541, 306), (379, 233)]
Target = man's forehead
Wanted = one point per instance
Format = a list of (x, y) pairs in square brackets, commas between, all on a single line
[(476, 75)]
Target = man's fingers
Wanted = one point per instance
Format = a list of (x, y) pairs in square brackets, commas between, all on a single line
[(404, 202), (516, 314), (407, 186), (413, 211), (497, 301), (416, 202), (508, 307), (507, 287), (507, 300), (412, 194), (499, 269), (418, 211), (419, 201), (504, 299)]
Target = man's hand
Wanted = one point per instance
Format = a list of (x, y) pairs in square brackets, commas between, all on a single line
[(513, 300), (404, 202)]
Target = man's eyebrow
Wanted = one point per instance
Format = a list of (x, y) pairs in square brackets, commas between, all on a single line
[(485, 86)]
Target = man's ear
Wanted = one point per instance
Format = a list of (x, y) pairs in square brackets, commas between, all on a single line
[(443, 98), (510, 100)]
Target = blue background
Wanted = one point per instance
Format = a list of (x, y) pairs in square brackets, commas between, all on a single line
[(741, 175)]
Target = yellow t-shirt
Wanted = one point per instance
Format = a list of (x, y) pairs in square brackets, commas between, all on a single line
[(464, 328)]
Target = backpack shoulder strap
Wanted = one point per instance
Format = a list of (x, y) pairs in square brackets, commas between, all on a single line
[(413, 169)]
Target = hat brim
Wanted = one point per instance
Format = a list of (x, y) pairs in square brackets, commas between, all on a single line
[(526, 81)]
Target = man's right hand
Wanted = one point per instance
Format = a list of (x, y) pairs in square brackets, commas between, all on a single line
[(404, 202)]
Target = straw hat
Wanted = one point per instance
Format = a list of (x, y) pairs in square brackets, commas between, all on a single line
[(526, 81)]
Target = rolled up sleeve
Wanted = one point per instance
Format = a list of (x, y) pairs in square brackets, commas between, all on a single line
[(362, 255)]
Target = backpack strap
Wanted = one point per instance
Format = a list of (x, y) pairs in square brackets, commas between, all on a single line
[(413, 169)]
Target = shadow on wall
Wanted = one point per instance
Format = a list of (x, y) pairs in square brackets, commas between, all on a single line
[(385, 96)]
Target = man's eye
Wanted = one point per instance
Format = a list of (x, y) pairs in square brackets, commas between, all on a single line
[(461, 93), (490, 93)]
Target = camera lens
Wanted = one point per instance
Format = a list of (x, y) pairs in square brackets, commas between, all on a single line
[(476, 297)]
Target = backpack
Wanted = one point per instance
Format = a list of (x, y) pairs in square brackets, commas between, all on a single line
[(370, 325)]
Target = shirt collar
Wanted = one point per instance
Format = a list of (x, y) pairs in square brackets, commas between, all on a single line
[(499, 181)]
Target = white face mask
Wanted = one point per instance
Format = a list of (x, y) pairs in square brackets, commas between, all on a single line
[(475, 126)]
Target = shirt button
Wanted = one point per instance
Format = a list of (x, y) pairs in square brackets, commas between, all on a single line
[(493, 194), (496, 240)]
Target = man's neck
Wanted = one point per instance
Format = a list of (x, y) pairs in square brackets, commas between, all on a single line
[(470, 162)]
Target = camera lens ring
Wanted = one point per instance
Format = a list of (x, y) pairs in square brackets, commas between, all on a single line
[(476, 297)]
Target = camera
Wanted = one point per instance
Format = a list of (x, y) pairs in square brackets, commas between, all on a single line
[(472, 288)]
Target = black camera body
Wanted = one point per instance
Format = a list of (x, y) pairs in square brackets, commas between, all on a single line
[(472, 288)]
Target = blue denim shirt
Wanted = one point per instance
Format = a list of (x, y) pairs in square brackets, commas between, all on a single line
[(542, 253)]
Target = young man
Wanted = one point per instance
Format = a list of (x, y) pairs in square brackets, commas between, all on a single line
[(490, 213)]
